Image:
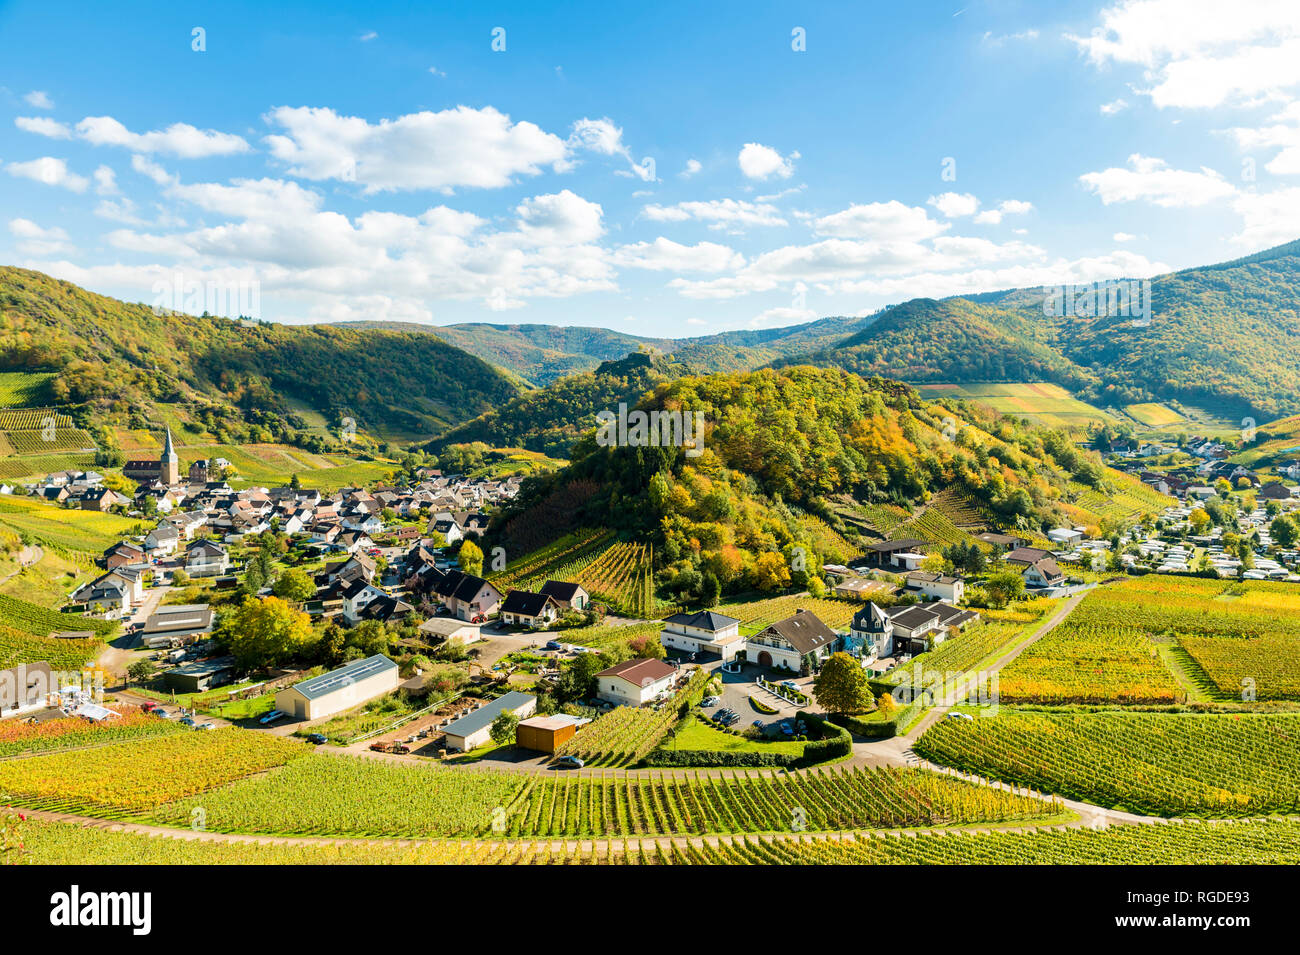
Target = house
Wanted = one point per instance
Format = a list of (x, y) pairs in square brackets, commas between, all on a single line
[(1044, 572), (445, 629), (1024, 556), (113, 593), (874, 631), (385, 608), (101, 499), (475, 728), (566, 594), (546, 734), (523, 608), (350, 685), (181, 623), (635, 682), (163, 540), (854, 588), (200, 676), (1003, 541), (917, 628), (936, 586), (703, 631), (798, 643), (467, 596), (1275, 491), (356, 597), (206, 558), (122, 554)]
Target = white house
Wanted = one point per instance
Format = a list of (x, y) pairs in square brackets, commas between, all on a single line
[(1064, 535), (937, 586), (635, 682), (206, 558), (356, 597), (475, 728), (703, 631), (523, 608), (467, 596), (1044, 572), (796, 643)]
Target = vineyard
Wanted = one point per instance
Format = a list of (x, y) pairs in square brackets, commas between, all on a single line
[(21, 388), (63, 733), (1258, 842), (618, 573), (757, 614), (1242, 635), (962, 653), (626, 734), (1094, 656), (342, 796), (132, 777), (1158, 764), (932, 525), (25, 630), (64, 528), (53, 441)]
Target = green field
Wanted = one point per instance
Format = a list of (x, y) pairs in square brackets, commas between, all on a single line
[(1043, 403), (1155, 415), (21, 389)]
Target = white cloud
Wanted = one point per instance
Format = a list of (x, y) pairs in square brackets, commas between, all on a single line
[(50, 171), (1123, 237), (367, 37), (460, 147), (1007, 207), (885, 221), (1114, 106), (105, 181), (763, 162), (729, 214), (1154, 181), (1267, 218), (1282, 132), (666, 255), (954, 204), (603, 137), (180, 140), (1202, 53), (692, 167), (35, 240), (40, 99), (781, 316), (43, 126)]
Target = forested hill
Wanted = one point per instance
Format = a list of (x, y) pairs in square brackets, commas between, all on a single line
[(953, 340), (116, 362), (551, 419), (780, 448)]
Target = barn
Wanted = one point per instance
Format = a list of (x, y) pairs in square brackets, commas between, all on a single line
[(475, 728), (351, 685)]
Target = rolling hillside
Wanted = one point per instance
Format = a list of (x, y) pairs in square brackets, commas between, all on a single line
[(110, 364)]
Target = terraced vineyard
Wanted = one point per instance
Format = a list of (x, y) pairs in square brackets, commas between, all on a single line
[(618, 573), (931, 525), (1260, 842), (19, 389), (24, 738), (373, 799), (566, 555), (67, 529), (1162, 764), (25, 630)]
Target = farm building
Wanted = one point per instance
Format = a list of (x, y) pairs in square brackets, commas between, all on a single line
[(440, 629), (546, 734), (474, 729), (350, 685), (182, 623), (634, 682), (201, 676), (703, 630), (905, 553)]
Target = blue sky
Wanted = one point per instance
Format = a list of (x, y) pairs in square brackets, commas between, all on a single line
[(659, 169)]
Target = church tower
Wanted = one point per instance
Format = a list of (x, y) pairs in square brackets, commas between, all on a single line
[(170, 471)]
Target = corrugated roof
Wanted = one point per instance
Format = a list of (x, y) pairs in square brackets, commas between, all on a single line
[(484, 715)]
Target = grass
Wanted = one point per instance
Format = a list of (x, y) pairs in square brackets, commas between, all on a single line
[(1042, 403), (694, 735)]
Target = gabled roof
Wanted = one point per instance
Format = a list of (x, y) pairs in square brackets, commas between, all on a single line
[(639, 672), (561, 590), (702, 620), (870, 618), (484, 715), (346, 675), (803, 630), (1026, 555), (526, 603)]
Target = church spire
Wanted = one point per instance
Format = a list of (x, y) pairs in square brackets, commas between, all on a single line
[(169, 453)]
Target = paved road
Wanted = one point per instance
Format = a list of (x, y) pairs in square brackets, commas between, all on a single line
[(29, 555), (118, 655)]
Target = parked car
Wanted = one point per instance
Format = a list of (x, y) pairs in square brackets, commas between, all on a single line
[(569, 762), (553, 644), (188, 721), (271, 717), (206, 726), (317, 738), (148, 706), (960, 716), (710, 701)]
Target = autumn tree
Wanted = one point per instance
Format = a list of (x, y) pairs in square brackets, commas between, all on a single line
[(266, 632), (470, 558), (294, 585), (841, 686)]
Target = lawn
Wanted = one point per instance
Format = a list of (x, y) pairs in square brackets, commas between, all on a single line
[(694, 735)]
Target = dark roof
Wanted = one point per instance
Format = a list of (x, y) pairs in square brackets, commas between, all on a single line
[(1047, 567), (913, 617), (526, 603), (902, 544), (1026, 555), (561, 590), (703, 620), (804, 631), (870, 618), (460, 585), (186, 618)]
